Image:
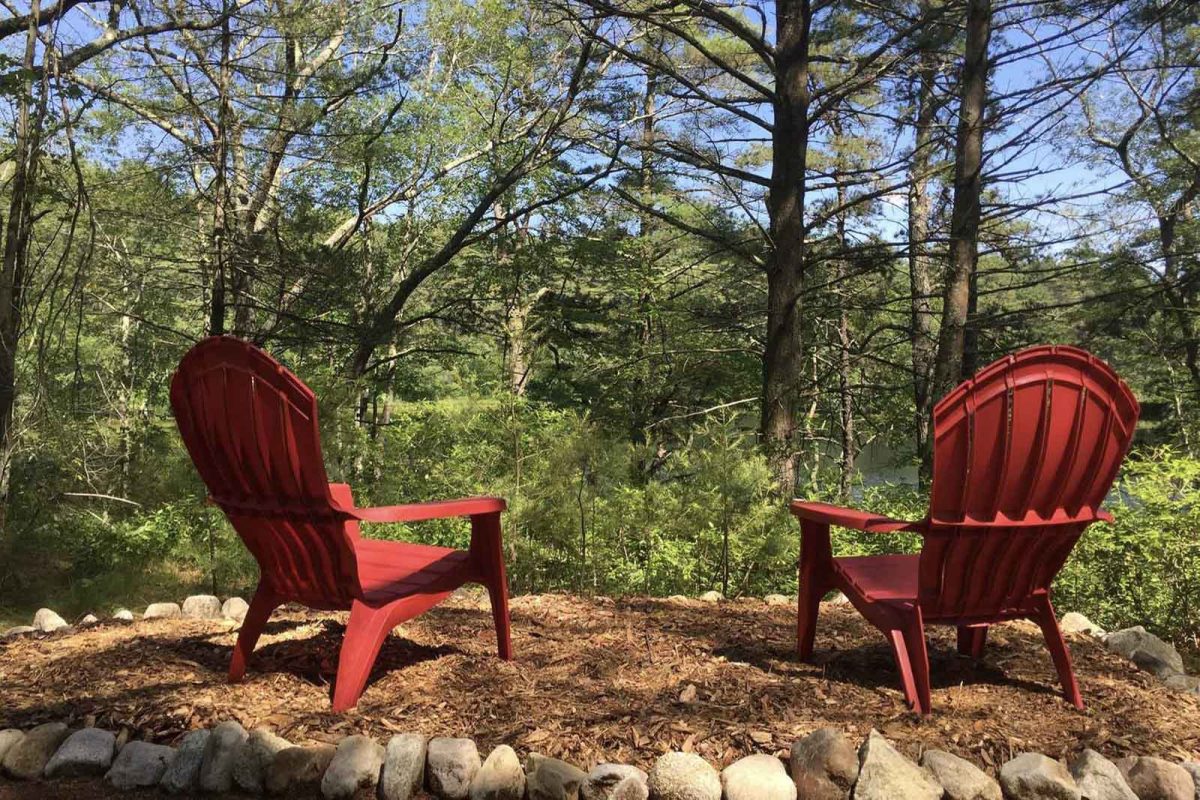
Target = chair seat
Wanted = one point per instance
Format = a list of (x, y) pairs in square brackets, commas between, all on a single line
[(891, 578), (391, 570)]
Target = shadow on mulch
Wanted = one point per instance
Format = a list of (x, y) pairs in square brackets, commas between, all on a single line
[(597, 679)]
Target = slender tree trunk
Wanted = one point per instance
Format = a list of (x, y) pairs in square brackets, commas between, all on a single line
[(1178, 296), (919, 269), (223, 222), (18, 230), (968, 187), (783, 360)]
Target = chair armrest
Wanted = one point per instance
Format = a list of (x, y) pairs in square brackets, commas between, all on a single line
[(417, 512), (850, 518)]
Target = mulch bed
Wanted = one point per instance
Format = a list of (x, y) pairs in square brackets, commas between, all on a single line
[(598, 679)]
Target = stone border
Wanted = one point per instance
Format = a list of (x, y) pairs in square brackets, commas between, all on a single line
[(824, 764)]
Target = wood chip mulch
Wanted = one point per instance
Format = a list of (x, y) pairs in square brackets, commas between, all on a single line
[(599, 680)]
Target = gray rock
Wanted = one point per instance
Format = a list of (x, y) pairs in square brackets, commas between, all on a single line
[(684, 776), (123, 615), (298, 769), (603, 780), (1157, 779), (235, 608), (355, 766), (884, 774), (8, 738), (961, 779), (500, 777), (1183, 683), (824, 765), (48, 621), (630, 788), (253, 758), (139, 764), (1192, 767), (162, 611), (88, 620), (1074, 622), (551, 779), (85, 753), (183, 774), (27, 757), (1146, 650), (757, 777), (18, 630), (403, 767), (216, 767), (1033, 776), (450, 764), (201, 606), (1098, 778), (711, 597), (839, 599), (778, 600)]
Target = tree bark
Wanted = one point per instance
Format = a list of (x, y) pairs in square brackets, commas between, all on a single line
[(968, 187), (783, 360)]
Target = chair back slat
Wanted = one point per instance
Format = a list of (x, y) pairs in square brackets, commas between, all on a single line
[(1024, 454), (251, 429)]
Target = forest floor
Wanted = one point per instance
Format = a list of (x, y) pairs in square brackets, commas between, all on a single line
[(598, 679)]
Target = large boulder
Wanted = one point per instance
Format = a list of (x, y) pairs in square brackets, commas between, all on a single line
[(1098, 778), (1074, 622), (201, 606), (235, 609), (183, 773), (162, 611), (1157, 779), (1033, 776), (8, 738), (757, 777), (961, 779), (85, 753), (1146, 650), (220, 751), (27, 757), (551, 779), (253, 758), (298, 770), (884, 774), (603, 780), (500, 778), (123, 615), (684, 776), (355, 766), (48, 621), (450, 764), (403, 767), (139, 765), (824, 765)]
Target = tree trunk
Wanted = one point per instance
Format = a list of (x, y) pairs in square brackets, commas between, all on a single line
[(783, 360), (965, 214), (919, 269), (18, 230)]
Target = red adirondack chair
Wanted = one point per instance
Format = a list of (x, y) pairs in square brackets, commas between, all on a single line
[(250, 426), (1024, 454)]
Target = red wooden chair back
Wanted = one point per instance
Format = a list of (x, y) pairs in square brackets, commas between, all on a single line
[(250, 426), (1024, 454)]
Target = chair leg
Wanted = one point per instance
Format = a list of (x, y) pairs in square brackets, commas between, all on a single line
[(1058, 651), (261, 607), (918, 656), (816, 561), (904, 665), (365, 632), (971, 640), (488, 554)]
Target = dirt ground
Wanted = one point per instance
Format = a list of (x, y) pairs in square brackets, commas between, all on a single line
[(597, 679)]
